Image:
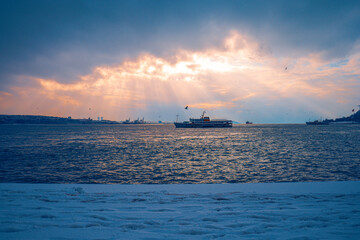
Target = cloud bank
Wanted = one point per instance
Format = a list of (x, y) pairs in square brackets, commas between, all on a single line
[(239, 80)]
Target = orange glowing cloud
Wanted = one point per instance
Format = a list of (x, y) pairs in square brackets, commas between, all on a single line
[(216, 78), (213, 105)]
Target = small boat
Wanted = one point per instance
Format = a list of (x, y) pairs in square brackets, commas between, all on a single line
[(247, 122), (204, 122)]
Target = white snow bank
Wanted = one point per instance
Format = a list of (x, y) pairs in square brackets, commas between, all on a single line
[(318, 210)]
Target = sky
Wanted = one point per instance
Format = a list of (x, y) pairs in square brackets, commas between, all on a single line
[(259, 61)]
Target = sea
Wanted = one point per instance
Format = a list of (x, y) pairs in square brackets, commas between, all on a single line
[(162, 154)]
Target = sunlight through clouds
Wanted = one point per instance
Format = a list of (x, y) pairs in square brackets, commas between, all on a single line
[(238, 75)]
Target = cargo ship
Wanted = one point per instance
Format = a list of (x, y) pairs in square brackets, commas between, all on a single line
[(317, 122), (204, 122)]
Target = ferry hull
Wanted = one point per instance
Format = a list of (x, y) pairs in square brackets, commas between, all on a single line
[(203, 125)]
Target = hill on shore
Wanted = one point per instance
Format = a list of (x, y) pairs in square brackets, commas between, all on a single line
[(352, 118)]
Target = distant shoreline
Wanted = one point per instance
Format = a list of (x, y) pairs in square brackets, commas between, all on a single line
[(38, 119)]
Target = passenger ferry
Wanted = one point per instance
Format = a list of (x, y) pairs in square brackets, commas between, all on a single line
[(204, 122)]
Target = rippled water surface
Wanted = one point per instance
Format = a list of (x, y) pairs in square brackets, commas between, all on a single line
[(163, 154)]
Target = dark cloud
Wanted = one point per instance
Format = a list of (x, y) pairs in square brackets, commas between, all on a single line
[(62, 39)]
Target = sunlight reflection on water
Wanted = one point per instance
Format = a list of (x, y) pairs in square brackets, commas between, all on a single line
[(163, 154)]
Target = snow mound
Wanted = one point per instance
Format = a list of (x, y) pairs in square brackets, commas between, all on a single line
[(211, 211)]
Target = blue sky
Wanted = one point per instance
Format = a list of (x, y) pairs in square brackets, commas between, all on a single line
[(62, 57)]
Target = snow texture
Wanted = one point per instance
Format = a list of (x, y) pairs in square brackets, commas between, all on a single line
[(327, 210)]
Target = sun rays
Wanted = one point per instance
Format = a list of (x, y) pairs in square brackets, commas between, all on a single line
[(227, 77)]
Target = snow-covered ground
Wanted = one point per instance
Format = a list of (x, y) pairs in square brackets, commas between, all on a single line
[(327, 210)]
